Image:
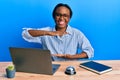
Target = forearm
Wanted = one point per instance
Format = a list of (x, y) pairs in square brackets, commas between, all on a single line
[(36, 33), (76, 56), (68, 56)]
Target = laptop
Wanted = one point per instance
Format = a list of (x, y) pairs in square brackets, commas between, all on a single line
[(33, 60)]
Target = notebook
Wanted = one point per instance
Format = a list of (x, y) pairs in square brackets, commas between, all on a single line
[(96, 67), (33, 60)]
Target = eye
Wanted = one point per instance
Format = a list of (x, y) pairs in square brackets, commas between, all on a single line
[(62, 15), (57, 14), (65, 15)]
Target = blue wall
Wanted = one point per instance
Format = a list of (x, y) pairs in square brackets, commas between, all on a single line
[(99, 20)]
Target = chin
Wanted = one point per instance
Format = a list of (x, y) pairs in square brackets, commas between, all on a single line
[(61, 26)]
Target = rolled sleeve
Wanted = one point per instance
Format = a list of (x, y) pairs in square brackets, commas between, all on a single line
[(26, 36), (85, 45), (90, 52)]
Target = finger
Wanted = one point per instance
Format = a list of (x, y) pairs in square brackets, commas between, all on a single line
[(54, 54)]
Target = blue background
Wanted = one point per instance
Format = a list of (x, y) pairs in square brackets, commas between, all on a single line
[(99, 20)]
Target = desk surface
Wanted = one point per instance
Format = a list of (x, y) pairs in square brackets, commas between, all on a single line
[(81, 74)]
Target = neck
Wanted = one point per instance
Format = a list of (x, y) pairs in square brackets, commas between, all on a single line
[(61, 29)]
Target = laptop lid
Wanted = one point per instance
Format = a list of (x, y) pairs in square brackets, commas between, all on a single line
[(32, 60)]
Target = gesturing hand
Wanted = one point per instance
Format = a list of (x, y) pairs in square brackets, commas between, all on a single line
[(63, 55)]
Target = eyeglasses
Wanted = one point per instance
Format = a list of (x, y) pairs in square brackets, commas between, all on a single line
[(60, 15)]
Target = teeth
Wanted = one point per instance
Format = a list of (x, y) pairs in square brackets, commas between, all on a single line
[(61, 22)]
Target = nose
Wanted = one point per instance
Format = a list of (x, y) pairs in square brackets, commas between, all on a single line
[(61, 17)]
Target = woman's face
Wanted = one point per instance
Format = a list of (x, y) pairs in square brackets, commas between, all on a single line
[(62, 17)]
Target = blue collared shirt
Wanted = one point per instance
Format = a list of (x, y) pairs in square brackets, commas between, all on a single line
[(66, 44)]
